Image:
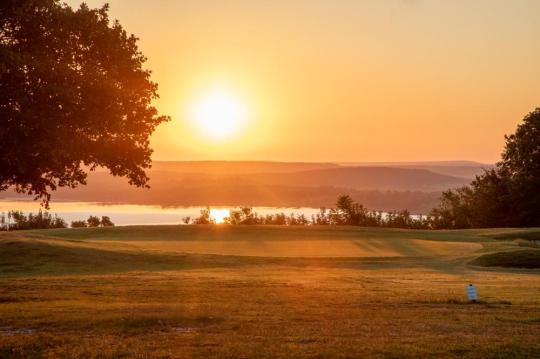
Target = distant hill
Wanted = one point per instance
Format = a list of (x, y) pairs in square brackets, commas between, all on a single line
[(381, 188), (385, 178), (464, 169), (279, 184), (238, 167), (416, 163), (216, 192)]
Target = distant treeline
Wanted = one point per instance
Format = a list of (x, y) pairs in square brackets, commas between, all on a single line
[(17, 221), (505, 196), (347, 212), (93, 221)]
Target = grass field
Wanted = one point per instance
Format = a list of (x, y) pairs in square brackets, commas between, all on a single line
[(268, 292)]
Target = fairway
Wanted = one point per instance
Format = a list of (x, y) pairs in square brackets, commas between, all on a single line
[(364, 248), (226, 291)]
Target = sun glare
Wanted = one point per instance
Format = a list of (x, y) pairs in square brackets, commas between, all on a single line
[(219, 115), (218, 215)]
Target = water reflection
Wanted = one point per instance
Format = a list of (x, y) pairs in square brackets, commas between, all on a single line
[(129, 214)]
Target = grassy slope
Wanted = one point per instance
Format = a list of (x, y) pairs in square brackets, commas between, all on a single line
[(101, 250), (260, 233), (65, 297)]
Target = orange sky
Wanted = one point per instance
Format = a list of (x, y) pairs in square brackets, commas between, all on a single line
[(341, 80)]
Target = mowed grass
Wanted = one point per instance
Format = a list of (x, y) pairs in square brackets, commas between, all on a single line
[(156, 292)]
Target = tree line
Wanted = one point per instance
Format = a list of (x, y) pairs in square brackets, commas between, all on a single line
[(93, 221), (505, 196), (347, 212), (17, 220)]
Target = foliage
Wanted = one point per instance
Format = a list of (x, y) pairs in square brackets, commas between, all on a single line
[(93, 221), (204, 218), (347, 212), (506, 196), (106, 222), (73, 96), (17, 220), (78, 224)]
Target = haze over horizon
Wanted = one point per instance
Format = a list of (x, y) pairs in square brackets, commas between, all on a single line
[(343, 81)]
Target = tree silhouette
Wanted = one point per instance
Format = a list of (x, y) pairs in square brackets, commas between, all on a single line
[(93, 221), (73, 96), (204, 217), (506, 196), (106, 221), (78, 224), (521, 163)]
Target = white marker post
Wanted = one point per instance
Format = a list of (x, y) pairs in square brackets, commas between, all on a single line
[(472, 294)]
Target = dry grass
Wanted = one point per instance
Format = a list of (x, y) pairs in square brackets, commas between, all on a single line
[(75, 299)]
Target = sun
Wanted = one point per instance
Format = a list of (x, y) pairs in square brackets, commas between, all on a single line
[(218, 215), (219, 115)]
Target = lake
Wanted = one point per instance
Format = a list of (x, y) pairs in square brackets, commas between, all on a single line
[(129, 214)]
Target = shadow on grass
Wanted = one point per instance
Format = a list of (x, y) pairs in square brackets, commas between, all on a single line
[(20, 257), (521, 259)]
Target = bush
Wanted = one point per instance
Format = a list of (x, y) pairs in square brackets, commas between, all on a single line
[(78, 224)]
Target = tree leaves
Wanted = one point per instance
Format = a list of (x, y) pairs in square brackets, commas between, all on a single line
[(73, 96)]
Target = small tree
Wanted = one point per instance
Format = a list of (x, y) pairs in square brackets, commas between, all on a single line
[(204, 218), (106, 222), (78, 224), (93, 221)]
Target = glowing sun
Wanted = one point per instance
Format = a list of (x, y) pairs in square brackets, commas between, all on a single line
[(218, 215), (219, 115)]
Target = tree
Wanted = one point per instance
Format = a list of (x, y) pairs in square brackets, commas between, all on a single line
[(244, 215), (106, 221), (93, 221), (74, 96), (349, 212), (506, 196), (204, 217), (40, 220), (521, 164), (320, 218), (78, 224), (344, 205)]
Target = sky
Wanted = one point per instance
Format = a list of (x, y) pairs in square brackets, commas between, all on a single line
[(337, 80)]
